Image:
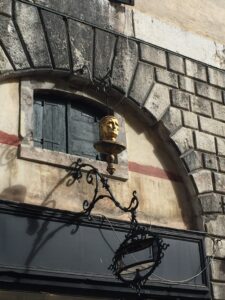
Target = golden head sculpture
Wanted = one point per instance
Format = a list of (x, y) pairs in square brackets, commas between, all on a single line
[(109, 128)]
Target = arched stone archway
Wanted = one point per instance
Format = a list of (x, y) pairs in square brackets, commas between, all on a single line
[(159, 84)]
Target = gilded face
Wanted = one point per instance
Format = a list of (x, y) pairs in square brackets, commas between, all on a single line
[(109, 128)]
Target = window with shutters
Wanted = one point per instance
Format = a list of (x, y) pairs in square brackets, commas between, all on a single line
[(66, 126), (59, 125)]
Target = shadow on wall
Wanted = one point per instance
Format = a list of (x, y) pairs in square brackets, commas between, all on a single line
[(15, 193)]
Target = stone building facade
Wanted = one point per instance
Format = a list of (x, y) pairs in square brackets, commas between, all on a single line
[(172, 105)]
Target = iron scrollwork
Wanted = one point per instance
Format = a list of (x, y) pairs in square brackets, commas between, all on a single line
[(94, 177), (132, 271)]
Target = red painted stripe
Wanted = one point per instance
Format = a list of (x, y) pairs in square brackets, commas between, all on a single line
[(153, 171), (9, 139)]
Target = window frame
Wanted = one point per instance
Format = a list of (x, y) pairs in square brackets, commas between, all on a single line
[(54, 158)]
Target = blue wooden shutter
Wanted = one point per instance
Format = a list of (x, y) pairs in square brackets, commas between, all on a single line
[(50, 125), (38, 123), (83, 131)]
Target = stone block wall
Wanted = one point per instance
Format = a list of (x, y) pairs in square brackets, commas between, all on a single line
[(187, 97)]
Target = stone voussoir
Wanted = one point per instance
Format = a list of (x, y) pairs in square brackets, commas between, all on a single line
[(30, 25), (142, 83), (172, 119), (81, 40), (103, 55), (5, 65), (203, 181), (57, 36), (193, 160), (12, 43), (158, 101), (124, 64), (183, 139), (211, 203)]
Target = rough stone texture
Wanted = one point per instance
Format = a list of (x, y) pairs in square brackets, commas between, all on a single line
[(186, 84), (103, 55), (4, 62), (208, 91), (6, 7), (210, 161), (180, 99), (219, 111), (218, 270), (205, 142), (12, 43), (153, 55), (143, 81), (57, 36), (172, 119), (216, 77), (158, 101), (212, 126), (221, 164), (203, 181), (218, 290), (30, 26), (201, 106), (183, 139), (124, 64), (217, 250), (81, 39), (196, 70), (216, 225), (220, 146), (166, 77), (190, 119), (219, 182), (176, 63), (211, 203), (193, 160), (102, 13)]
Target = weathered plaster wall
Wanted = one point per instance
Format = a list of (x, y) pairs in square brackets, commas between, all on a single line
[(30, 182), (204, 17)]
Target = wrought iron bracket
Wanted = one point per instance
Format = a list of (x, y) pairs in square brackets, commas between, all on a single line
[(139, 238), (94, 177)]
